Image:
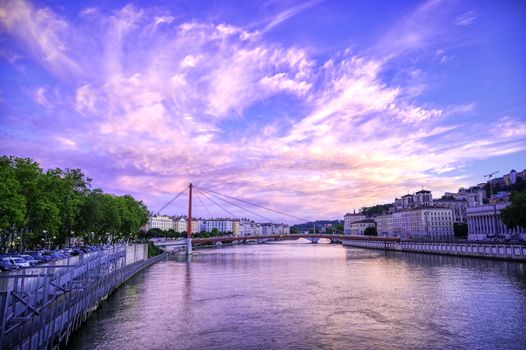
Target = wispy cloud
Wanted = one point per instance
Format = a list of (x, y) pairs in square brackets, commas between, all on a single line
[(154, 103), (288, 13), (467, 18)]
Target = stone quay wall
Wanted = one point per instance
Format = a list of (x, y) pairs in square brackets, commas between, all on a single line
[(41, 306), (468, 249)]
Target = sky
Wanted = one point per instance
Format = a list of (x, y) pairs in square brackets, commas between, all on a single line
[(313, 108)]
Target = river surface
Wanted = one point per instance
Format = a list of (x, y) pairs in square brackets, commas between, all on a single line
[(314, 296)]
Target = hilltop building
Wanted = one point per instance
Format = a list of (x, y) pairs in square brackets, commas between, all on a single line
[(484, 222), (359, 227), (348, 219)]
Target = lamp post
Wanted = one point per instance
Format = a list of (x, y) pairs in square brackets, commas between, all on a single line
[(45, 238)]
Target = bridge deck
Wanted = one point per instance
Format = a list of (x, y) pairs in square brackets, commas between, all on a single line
[(290, 236)]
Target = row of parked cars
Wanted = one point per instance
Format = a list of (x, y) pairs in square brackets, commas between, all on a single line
[(14, 261)]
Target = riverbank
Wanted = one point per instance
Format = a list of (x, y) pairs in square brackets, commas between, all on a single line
[(42, 306), (468, 249)]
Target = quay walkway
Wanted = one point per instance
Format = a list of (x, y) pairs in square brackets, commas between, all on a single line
[(42, 305), (468, 249)]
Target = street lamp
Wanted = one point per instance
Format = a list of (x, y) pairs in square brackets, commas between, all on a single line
[(45, 238)]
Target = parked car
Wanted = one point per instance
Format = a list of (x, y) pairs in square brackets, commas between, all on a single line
[(14, 260), (32, 261), (40, 256), (7, 266)]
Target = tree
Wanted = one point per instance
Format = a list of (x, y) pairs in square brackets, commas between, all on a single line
[(515, 214), (154, 232), (37, 206), (370, 231), (461, 230), (12, 203)]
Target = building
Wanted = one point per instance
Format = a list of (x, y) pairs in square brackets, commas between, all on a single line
[(235, 227), (222, 225), (348, 219), (249, 228), (484, 222), (423, 198), (458, 207), (474, 196), (408, 201), (426, 223), (180, 224), (384, 225), (359, 227), (164, 223), (274, 229)]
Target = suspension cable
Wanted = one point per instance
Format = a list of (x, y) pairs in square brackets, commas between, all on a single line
[(254, 204), (173, 199), (219, 205), (242, 208), (203, 203)]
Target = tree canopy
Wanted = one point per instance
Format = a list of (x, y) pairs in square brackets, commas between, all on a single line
[(370, 231), (40, 207), (515, 214)]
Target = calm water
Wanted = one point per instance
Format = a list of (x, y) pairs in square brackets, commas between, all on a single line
[(306, 296)]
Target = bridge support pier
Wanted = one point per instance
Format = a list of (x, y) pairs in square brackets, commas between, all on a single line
[(189, 246)]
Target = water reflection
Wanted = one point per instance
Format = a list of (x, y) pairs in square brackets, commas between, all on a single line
[(314, 296)]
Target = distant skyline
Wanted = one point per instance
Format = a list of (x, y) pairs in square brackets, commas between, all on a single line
[(309, 107)]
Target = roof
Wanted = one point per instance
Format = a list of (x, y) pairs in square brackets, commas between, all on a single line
[(366, 221), (424, 191)]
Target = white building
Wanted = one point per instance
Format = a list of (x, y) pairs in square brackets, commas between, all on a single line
[(180, 224), (164, 223), (348, 219), (249, 228), (427, 222), (384, 225), (274, 229), (457, 206), (222, 225), (423, 198), (408, 201), (484, 222), (473, 196), (359, 227)]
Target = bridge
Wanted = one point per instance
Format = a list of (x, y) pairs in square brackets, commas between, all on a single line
[(312, 237), (208, 194)]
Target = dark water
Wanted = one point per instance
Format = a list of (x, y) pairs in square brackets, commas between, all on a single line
[(306, 296)]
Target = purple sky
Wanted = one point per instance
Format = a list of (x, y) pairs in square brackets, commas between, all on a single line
[(313, 108)]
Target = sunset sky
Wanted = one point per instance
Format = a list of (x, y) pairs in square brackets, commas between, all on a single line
[(312, 108)]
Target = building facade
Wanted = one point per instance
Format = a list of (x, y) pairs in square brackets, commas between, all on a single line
[(424, 223), (484, 222), (164, 223), (222, 225), (457, 206), (423, 198), (384, 225), (348, 219), (358, 227)]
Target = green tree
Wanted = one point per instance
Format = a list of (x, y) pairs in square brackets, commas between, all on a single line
[(12, 203), (370, 231), (461, 230), (215, 232), (155, 232), (514, 215)]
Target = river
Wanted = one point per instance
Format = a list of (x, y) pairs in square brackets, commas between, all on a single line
[(313, 296)]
